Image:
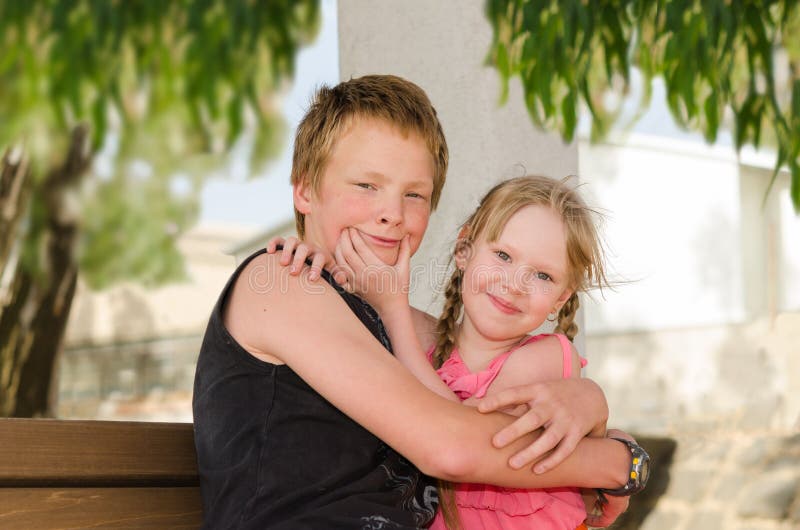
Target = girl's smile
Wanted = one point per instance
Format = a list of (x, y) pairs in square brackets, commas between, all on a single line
[(512, 284)]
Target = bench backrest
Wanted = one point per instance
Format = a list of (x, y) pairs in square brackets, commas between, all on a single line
[(101, 474)]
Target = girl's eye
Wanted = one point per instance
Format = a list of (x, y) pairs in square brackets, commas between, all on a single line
[(502, 255), (414, 195), (365, 185), (543, 276)]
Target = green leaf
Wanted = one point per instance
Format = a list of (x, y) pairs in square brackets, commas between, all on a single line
[(570, 113), (715, 57), (99, 122), (794, 191), (504, 69)]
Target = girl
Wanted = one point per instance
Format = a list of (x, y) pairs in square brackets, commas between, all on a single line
[(521, 259)]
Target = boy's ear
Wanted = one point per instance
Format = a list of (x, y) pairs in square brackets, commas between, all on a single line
[(301, 193)]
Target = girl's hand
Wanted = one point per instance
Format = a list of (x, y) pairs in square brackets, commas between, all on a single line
[(382, 286), (602, 512), (567, 410), (295, 252)]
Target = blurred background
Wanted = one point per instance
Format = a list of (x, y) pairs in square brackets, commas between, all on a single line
[(147, 148)]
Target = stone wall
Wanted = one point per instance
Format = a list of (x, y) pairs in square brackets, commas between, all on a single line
[(732, 425), (720, 480)]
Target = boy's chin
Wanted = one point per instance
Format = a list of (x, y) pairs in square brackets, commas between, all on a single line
[(387, 255)]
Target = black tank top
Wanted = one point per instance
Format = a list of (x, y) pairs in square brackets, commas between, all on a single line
[(274, 454)]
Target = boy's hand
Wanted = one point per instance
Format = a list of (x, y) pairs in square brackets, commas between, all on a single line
[(382, 286), (295, 253), (567, 410)]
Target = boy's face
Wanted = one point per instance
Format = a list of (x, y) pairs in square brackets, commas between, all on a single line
[(376, 181)]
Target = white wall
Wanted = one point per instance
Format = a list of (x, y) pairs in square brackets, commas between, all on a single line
[(706, 331), (674, 230)]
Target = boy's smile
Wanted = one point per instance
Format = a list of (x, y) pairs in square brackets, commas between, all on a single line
[(377, 181)]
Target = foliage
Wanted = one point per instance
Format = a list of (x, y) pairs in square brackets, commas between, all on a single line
[(718, 58), (156, 81)]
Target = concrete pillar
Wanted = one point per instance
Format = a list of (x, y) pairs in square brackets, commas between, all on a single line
[(441, 46)]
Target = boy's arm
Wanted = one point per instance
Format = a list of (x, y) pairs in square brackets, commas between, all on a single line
[(569, 409), (442, 438)]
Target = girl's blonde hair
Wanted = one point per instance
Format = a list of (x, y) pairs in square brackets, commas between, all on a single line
[(585, 258), (584, 247)]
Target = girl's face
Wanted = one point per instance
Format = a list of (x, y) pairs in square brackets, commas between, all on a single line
[(377, 181), (512, 284)]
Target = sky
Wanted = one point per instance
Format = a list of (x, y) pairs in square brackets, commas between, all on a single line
[(261, 200)]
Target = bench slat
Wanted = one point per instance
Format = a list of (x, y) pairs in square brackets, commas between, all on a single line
[(38, 452), (62, 508)]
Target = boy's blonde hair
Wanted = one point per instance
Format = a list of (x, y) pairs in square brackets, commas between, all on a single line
[(389, 98), (585, 256)]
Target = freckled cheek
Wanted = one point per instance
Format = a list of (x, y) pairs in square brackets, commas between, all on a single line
[(416, 224), (356, 206)]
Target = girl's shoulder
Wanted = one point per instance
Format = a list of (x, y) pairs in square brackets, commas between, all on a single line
[(539, 359)]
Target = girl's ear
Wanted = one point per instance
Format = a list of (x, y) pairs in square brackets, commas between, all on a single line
[(302, 193), (463, 248), (563, 298)]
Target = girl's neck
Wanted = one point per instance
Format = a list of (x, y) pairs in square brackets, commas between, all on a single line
[(477, 350)]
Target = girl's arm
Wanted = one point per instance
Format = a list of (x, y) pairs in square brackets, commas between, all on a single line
[(385, 287), (342, 361)]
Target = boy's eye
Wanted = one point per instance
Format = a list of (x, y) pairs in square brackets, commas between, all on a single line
[(365, 185), (502, 255), (414, 195)]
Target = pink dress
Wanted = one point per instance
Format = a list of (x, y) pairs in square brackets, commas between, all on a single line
[(495, 508)]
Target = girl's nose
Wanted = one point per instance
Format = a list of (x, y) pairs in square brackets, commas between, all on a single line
[(523, 280)]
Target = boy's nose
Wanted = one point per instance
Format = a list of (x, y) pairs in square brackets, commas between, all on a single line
[(390, 214)]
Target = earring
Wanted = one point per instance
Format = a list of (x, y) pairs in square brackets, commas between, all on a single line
[(553, 315)]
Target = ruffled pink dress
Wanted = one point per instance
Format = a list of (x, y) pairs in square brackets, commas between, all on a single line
[(481, 506)]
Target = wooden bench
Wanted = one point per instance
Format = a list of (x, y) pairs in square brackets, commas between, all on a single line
[(97, 474)]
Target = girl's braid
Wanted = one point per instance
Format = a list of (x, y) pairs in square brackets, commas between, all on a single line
[(446, 326), (566, 317), (446, 341)]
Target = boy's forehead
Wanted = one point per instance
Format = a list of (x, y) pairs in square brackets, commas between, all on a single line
[(359, 121), (369, 127), (362, 144)]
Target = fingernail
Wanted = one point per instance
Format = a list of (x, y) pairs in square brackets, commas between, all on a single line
[(539, 470), (313, 275), (292, 269), (516, 463)]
